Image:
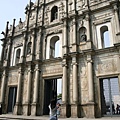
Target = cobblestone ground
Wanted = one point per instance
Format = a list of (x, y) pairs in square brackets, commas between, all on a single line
[(20, 117)]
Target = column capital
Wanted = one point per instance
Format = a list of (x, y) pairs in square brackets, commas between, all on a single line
[(74, 63), (20, 71), (33, 32), (89, 61), (37, 68), (64, 63)]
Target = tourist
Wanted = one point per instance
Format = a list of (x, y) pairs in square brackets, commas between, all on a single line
[(53, 109)]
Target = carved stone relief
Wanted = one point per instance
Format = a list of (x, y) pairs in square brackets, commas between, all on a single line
[(108, 66), (13, 79), (81, 4), (61, 10), (54, 30), (18, 42), (83, 76), (32, 16), (25, 87), (40, 17), (46, 19)]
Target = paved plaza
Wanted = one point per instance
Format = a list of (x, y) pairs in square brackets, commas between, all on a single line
[(20, 117)]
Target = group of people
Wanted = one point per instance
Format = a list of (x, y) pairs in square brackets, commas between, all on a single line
[(115, 110), (118, 109), (54, 109)]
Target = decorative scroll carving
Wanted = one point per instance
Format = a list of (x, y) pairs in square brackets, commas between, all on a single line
[(83, 75), (62, 11), (46, 19), (54, 30), (81, 4)]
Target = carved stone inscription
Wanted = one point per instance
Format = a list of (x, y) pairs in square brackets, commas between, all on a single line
[(52, 68)]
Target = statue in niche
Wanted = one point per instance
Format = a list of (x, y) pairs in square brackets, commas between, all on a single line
[(29, 48), (83, 37), (29, 45)]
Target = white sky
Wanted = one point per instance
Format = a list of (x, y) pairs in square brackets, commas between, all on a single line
[(10, 9)]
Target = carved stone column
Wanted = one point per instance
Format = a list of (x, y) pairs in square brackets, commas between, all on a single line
[(38, 45), (90, 78), (2, 52), (3, 85), (74, 44), (65, 37), (116, 19), (89, 44), (33, 45), (64, 89), (31, 55), (27, 103), (17, 108), (74, 106), (35, 105), (23, 50), (117, 24), (91, 104), (88, 26), (6, 62)]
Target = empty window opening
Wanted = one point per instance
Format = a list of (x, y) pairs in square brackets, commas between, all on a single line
[(105, 37), (57, 50), (54, 47), (17, 56), (54, 13), (110, 96)]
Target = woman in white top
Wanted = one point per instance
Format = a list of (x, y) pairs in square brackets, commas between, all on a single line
[(53, 110)]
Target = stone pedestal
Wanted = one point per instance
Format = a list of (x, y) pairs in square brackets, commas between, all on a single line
[(65, 111), (74, 111), (35, 109), (90, 110), (26, 109), (17, 109)]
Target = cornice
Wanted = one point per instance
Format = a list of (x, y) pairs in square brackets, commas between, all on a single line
[(53, 60)]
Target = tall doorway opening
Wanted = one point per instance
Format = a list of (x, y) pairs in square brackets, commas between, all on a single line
[(110, 96), (11, 99), (52, 90)]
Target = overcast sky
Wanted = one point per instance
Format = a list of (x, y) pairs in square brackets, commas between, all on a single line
[(10, 9)]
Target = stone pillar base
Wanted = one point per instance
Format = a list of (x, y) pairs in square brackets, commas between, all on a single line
[(65, 111), (90, 110), (3, 106), (17, 109), (74, 110), (35, 109), (26, 109)]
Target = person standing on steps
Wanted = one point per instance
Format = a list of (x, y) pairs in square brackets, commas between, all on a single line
[(53, 109)]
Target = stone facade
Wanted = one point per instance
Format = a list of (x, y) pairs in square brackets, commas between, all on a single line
[(28, 55)]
